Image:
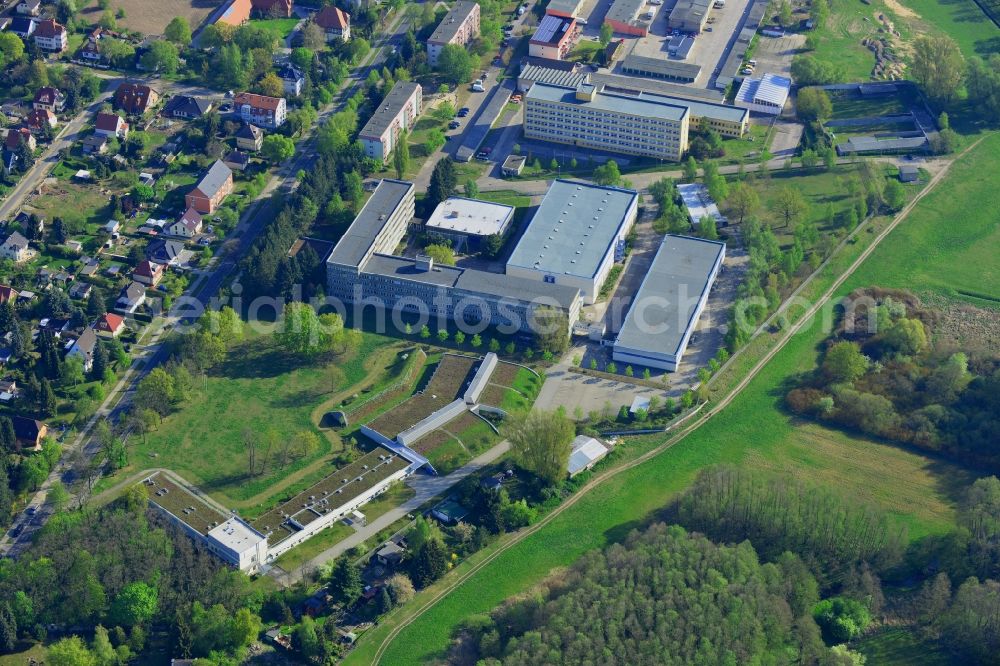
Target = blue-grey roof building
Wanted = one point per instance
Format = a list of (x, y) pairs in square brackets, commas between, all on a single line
[(575, 237), (665, 310)]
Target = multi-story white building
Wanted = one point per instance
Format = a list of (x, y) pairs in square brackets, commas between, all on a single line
[(576, 235), (397, 112), (459, 26), (590, 116), (51, 36), (260, 110)]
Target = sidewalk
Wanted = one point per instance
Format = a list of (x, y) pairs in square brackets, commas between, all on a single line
[(427, 487)]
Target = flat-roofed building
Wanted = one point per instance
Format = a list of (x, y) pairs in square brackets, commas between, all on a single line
[(238, 544), (459, 26), (553, 38), (586, 453), (699, 203), (623, 17), (576, 235), (379, 226), (690, 15), (665, 70), (467, 222), (668, 303), (590, 117), (567, 8), (766, 94), (531, 74), (398, 111)]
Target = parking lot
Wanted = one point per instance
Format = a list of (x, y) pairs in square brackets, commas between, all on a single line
[(774, 54)]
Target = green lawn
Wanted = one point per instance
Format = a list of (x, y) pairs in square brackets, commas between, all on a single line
[(258, 388), (506, 197), (962, 20), (753, 431), (280, 27)]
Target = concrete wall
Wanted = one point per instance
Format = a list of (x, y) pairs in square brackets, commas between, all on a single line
[(432, 422), (480, 379)]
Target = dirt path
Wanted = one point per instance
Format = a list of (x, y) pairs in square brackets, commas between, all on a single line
[(685, 429)]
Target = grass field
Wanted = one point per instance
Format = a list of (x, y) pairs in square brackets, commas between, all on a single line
[(150, 18), (753, 431), (279, 27), (260, 388)]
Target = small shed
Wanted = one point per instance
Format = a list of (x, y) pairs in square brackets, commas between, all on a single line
[(586, 453), (639, 402), (908, 173), (513, 165), (449, 512), (390, 554)]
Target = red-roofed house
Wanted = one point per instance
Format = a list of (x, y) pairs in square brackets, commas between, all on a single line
[(135, 98), (260, 110), (111, 124), (7, 294), (236, 13), (148, 273), (15, 137), (51, 36), (50, 99), (39, 118), (336, 23), (211, 190), (109, 325), (272, 8)]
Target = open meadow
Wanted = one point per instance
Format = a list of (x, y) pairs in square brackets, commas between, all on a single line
[(149, 17), (947, 246)]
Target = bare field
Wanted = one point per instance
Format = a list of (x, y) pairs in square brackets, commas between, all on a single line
[(150, 17)]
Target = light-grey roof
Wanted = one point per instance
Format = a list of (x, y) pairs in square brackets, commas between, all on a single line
[(565, 7), (669, 294), (446, 29), (555, 77), (585, 452), (678, 90), (372, 218), (214, 179), (640, 89), (470, 216), (624, 11), (769, 88), (690, 11), (574, 228), (646, 106), (872, 144), (389, 109), (16, 240), (654, 66)]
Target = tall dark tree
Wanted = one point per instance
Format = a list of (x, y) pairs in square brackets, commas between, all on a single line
[(345, 581), (95, 303), (429, 564), (8, 441), (46, 399), (443, 183), (101, 363)]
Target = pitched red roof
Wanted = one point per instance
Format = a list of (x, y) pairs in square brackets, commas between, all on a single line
[(236, 13), (49, 28), (38, 118), (7, 293), (332, 17), (108, 122), (265, 6), (257, 101), (15, 137), (109, 322), (47, 95), (147, 269), (133, 97)]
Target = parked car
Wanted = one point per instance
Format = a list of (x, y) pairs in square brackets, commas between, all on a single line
[(708, 28), (478, 87), (454, 124), (484, 154)]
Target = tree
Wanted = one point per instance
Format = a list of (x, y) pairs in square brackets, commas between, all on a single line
[(938, 67), (541, 442), (401, 154), (894, 195), (443, 182), (455, 64), (345, 581), (813, 104), (607, 33), (161, 57), (442, 335), (551, 329), (906, 336), (477, 341), (178, 31), (608, 174), (707, 228), (400, 589), (690, 169), (844, 362), (11, 48), (107, 20), (429, 563), (46, 399), (135, 604), (808, 70), (304, 332), (277, 148), (743, 201), (271, 85), (70, 651), (789, 205), (471, 189), (441, 254), (841, 619), (156, 391)]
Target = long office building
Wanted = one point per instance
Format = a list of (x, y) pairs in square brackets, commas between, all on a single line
[(362, 271), (576, 235), (665, 310), (665, 70), (398, 111), (459, 26), (590, 116)]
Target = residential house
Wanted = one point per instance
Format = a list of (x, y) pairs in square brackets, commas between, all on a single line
[(336, 23), (9, 161), (236, 13), (83, 348), (29, 7), (271, 8), (212, 189), (131, 297), (90, 52), (237, 161), (111, 124), (23, 26), (7, 294), (28, 433), (16, 137), (80, 290), (95, 143), (292, 80), (51, 36), (109, 325), (49, 99), (186, 106), (54, 325), (249, 137), (15, 248), (8, 390), (168, 252), (260, 110), (135, 98), (39, 118), (390, 555), (148, 273), (113, 226)]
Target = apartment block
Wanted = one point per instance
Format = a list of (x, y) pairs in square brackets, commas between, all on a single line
[(459, 26), (397, 112), (590, 116)]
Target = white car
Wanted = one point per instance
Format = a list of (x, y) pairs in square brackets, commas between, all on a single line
[(656, 2), (478, 87)]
